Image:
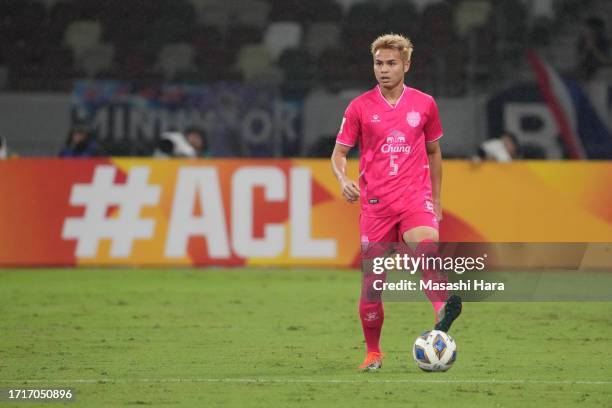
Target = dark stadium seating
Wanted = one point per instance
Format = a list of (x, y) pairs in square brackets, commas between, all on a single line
[(457, 44)]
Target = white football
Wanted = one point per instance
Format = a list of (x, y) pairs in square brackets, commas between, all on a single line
[(434, 351)]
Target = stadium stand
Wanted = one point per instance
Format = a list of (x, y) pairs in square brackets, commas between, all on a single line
[(462, 47), (70, 39)]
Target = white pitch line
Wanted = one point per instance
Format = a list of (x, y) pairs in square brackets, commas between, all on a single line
[(304, 381)]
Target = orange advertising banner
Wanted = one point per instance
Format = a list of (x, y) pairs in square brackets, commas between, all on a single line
[(268, 212)]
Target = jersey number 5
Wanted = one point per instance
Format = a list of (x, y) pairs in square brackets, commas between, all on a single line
[(394, 166)]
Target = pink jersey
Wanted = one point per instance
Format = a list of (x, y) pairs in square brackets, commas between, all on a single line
[(393, 164)]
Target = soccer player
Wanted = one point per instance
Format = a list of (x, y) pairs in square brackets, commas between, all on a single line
[(400, 174)]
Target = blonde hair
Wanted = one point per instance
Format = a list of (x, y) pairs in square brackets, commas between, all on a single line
[(394, 42)]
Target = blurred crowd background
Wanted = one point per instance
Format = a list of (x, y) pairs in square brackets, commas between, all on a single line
[(271, 78)]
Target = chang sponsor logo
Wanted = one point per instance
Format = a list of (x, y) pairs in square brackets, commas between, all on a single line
[(396, 143), (387, 148)]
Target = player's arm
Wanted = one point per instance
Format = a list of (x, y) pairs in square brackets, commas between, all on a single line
[(434, 153), (350, 190)]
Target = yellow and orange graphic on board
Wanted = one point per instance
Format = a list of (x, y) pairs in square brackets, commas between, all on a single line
[(268, 212)]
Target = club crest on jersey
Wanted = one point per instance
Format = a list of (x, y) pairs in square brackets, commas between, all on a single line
[(413, 118)]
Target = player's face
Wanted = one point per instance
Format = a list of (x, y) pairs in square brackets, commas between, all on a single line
[(389, 68)]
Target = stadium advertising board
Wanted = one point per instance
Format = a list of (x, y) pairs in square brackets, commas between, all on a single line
[(268, 212), (245, 120)]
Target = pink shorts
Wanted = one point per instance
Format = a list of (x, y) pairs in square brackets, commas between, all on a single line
[(390, 229)]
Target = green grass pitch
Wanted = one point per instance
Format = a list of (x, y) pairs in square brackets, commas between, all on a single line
[(282, 338)]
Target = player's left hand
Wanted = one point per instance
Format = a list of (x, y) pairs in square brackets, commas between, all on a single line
[(438, 210)]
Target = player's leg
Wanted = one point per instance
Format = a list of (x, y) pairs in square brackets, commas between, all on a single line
[(423, 240), (376, 233), (420, 233)]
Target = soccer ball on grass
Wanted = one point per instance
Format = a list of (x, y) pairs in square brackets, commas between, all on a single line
[(434, 351)]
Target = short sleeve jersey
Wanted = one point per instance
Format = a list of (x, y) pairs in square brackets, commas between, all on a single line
[(393, 163)]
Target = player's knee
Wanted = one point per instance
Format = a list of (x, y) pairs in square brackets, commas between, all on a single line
[(416, 235)]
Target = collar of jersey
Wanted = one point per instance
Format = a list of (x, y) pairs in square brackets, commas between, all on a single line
[(391, 107)]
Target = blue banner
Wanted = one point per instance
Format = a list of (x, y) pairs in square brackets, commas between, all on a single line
[(238, 120)]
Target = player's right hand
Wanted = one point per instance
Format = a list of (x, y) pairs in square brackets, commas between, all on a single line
[(350, 190)]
